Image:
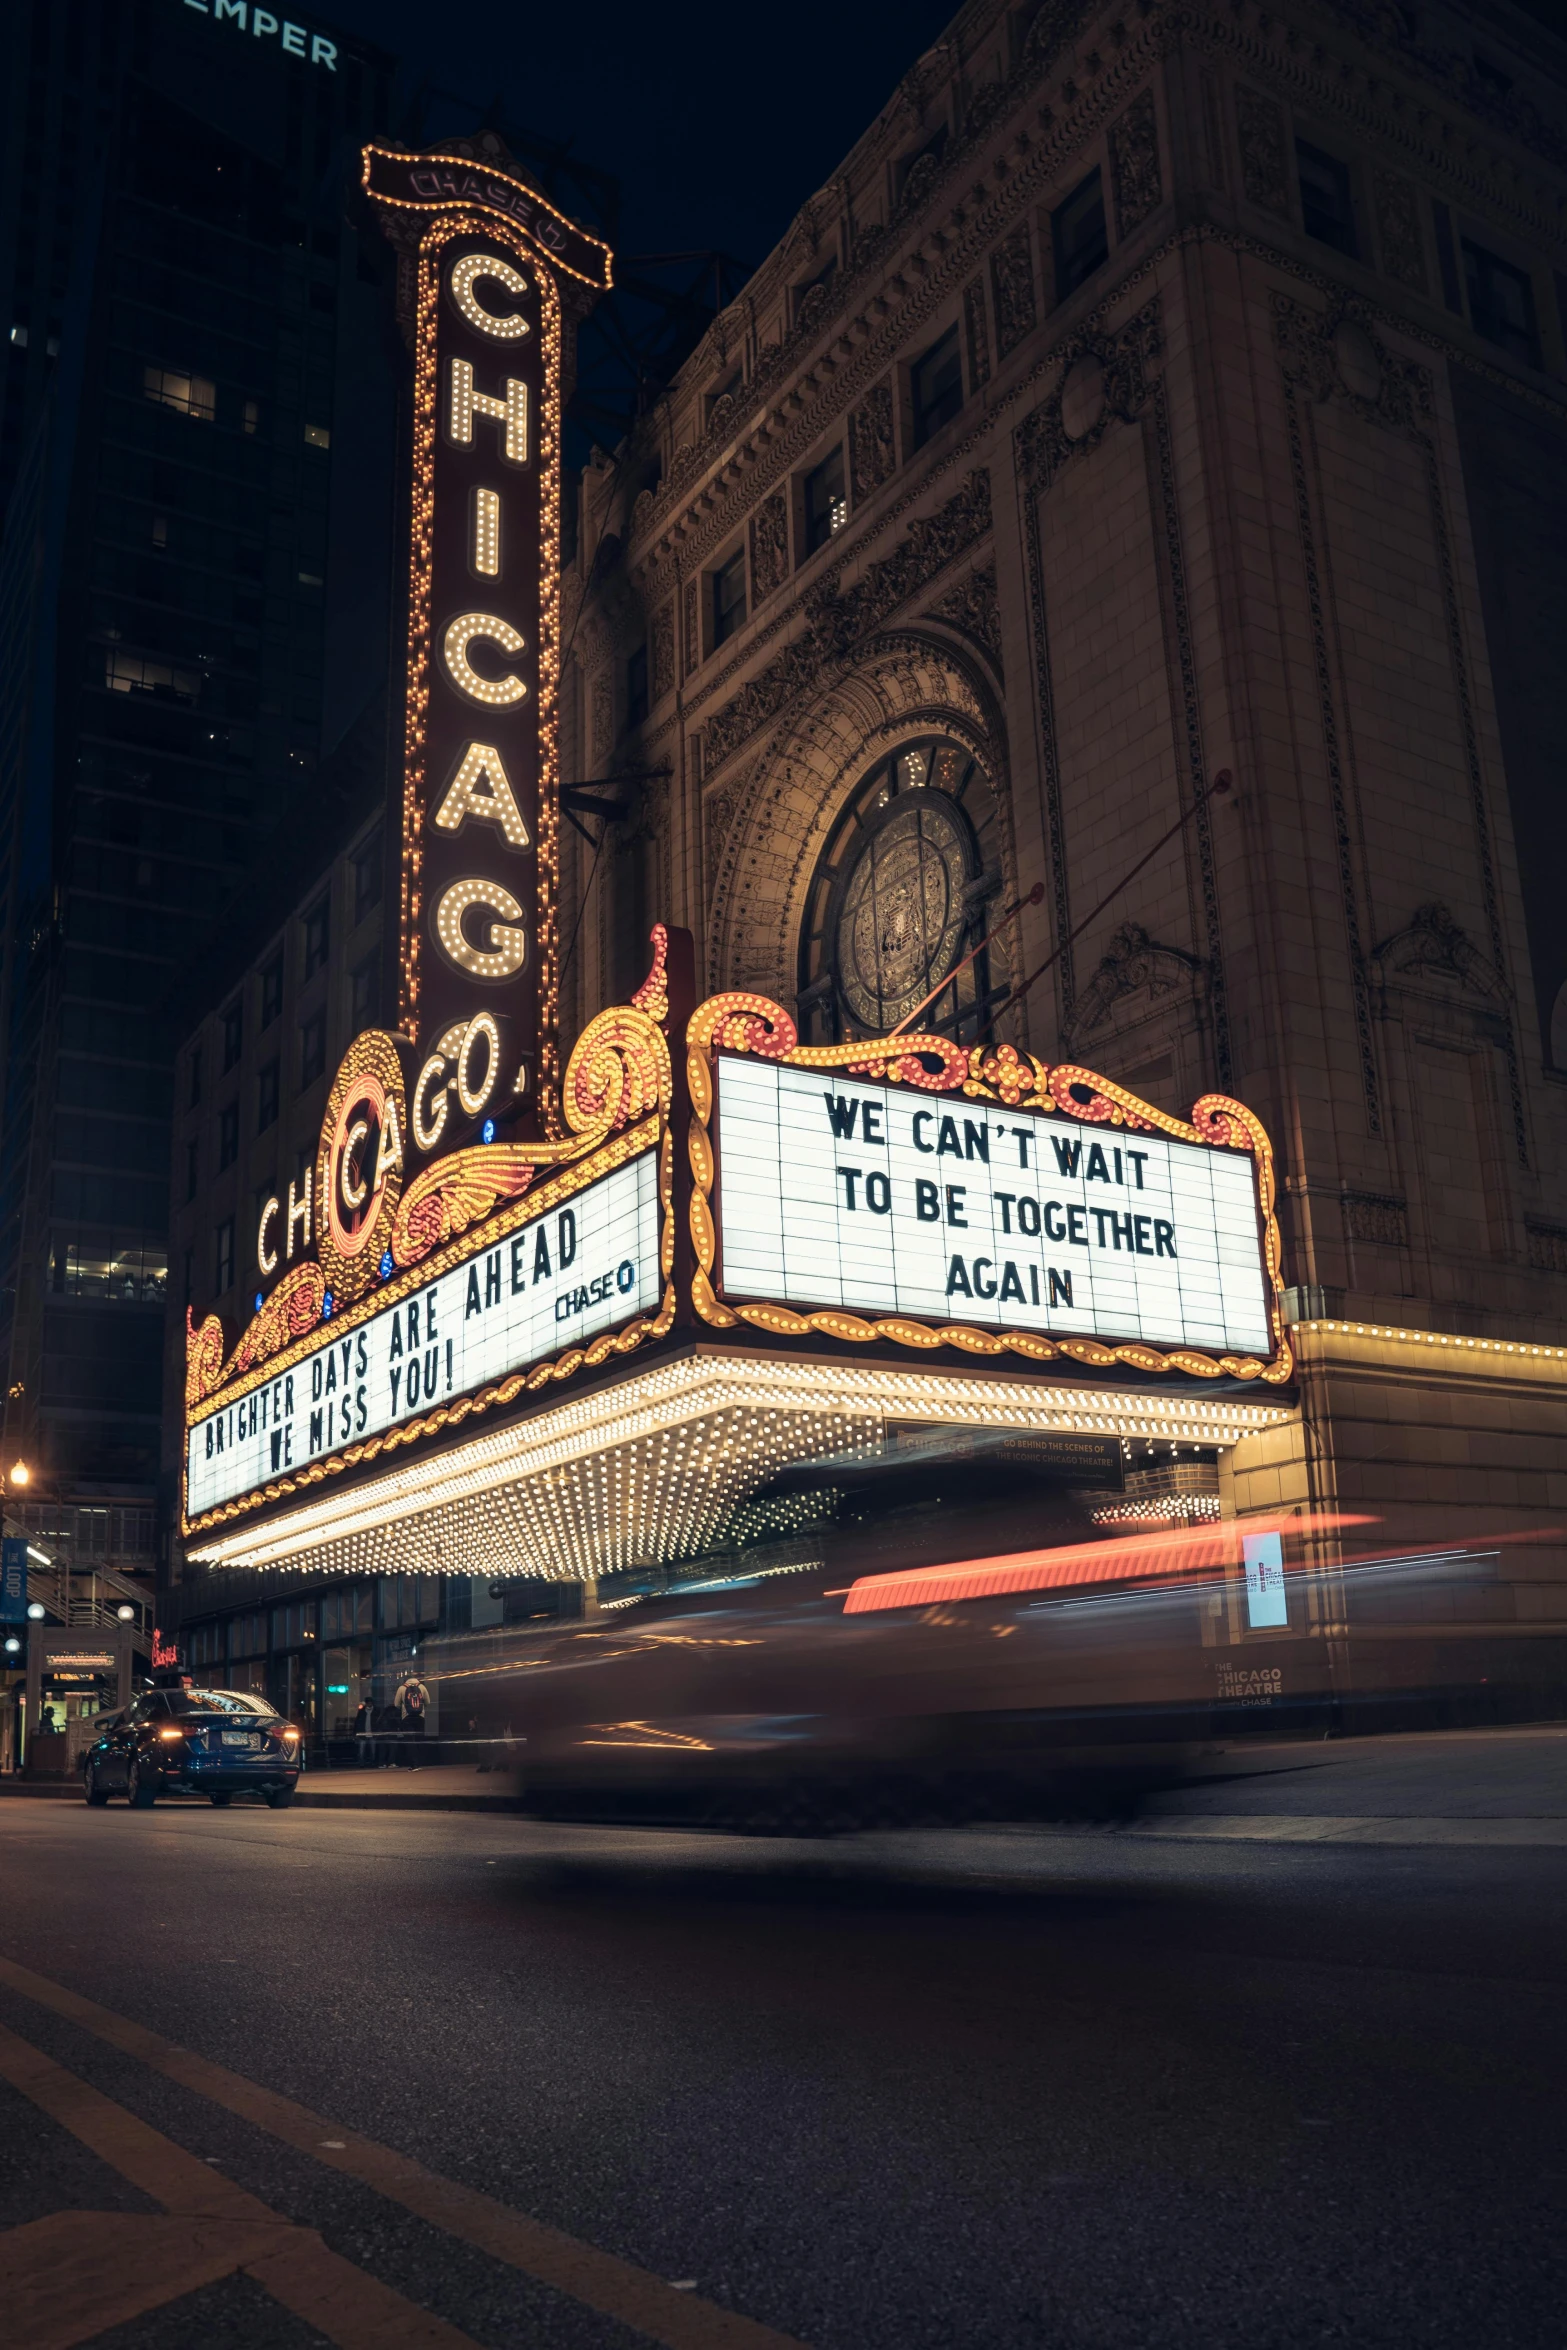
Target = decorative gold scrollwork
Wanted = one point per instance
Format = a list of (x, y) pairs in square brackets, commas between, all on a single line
[(741, 1022)]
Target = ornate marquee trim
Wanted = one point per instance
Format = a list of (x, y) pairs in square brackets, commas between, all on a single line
[(617, 1098), (740, 1022)]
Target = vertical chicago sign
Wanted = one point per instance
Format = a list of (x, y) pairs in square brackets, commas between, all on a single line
[(497, 275)]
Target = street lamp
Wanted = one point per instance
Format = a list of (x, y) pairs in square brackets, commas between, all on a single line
[(127, 1615), (37, 1611), (13, 1647), (21, 1474)]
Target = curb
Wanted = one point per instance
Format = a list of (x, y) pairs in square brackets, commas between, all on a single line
[(326, 1802), (69, 1791), (1342, 1828)]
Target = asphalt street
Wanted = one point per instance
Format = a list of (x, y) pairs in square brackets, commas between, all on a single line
[(384, 2077)]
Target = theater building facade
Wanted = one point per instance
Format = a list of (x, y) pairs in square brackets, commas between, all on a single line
[(1051, 940)]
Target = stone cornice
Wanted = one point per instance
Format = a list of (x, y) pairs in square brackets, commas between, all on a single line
[(795, 399), (1438, 141), (791, 610)]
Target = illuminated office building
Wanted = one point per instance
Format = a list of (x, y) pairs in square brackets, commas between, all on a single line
[(194, 583)]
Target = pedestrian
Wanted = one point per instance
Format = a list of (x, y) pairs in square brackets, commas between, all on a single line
[(412, 1701)]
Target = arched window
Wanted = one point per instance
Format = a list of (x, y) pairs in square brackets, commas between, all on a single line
[(902, 893)]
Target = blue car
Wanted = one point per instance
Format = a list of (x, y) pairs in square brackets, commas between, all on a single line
[(213, 1742)]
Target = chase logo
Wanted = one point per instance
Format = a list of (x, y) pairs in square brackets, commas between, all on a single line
[(260, 24)]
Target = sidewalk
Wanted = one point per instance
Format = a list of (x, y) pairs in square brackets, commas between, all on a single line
[(1482, 1786), (437, 1787), (433, 1787)]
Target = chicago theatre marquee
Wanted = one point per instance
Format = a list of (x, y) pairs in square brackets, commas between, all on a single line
[(521, 1317)]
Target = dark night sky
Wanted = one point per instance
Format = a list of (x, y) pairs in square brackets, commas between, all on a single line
[(719, 119)]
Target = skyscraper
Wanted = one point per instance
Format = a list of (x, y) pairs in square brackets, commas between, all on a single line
[(196, 416)]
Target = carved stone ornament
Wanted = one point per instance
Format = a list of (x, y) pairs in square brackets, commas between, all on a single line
[(693, 634), (1053, 25), (1134, 164), (663, 651), (1104, 378), (1264, 153), (1337, 354), (923, 174), (1012, 290), (976, 334), (718, 814), (1436, 946), (834, 622), (1375, 1216), (972, 607), (603, 735), (769, 546), (740, 1021), (1399, 231), (1132, 964), (870, 441)]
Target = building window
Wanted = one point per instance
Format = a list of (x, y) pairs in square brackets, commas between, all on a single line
[(344, 1613), (192, 395), (636, 685), (195, 1077), (160, 531), (267, 1097), (1326, 209), (312, 1047), (271, 990), (365, 987), (228, 1135), (1077, 232), (318, 935), (293, 1625), (936, 387), (318, 436), (248, 1635), (233, 1033), (728, 598), (223, 1265), (113, 1271), (206, 1646), (250, 416), (192, 1169), (1501, 304), (826, 501), (407, 1600), (895, 912), (368, 865), (165, 681)]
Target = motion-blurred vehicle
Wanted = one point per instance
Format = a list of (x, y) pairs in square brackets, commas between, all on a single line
[(1058, 1684), (213, 1742)]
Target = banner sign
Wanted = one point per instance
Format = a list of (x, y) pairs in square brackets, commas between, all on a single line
[(885, 1201), (554, 1282), (1266, 1604), (13, 1579)]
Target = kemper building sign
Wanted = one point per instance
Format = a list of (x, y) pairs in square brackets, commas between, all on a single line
[(517, 1318)]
